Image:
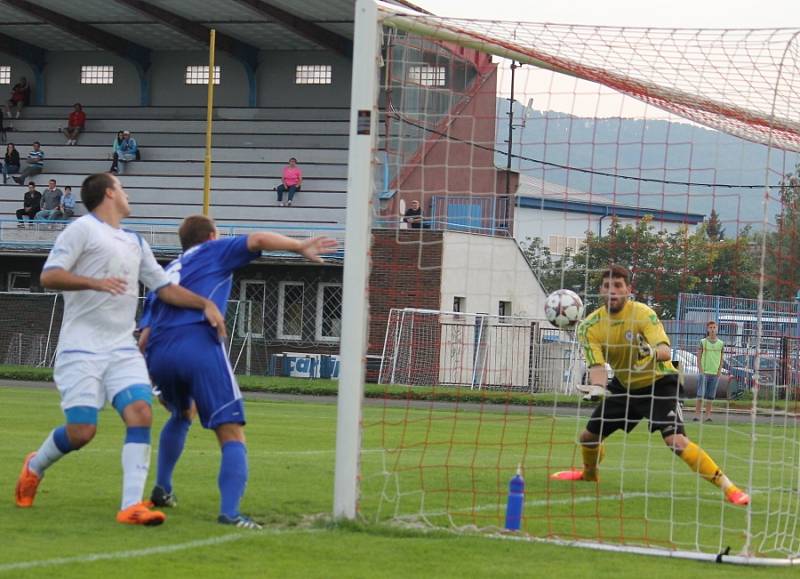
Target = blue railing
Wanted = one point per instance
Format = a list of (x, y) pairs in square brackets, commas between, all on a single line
[(162, 236)]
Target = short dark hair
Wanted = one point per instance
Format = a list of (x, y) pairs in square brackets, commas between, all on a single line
[(93, 189), (37, 143), (31, 183), (293, 159), (615, 270), (194, 230), (67, 188)]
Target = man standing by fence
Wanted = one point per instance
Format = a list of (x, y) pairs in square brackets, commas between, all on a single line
[(709, 360)]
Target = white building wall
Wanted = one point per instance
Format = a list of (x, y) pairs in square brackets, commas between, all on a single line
[(531, 223), (485, 271)]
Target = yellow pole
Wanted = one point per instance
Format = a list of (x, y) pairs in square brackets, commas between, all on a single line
[(209, 112)]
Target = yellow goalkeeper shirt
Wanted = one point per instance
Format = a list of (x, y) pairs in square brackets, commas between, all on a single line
[(627, 341)]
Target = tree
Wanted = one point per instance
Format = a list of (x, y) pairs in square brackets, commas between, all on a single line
[(714, 229), (663, 264), (782, 256)]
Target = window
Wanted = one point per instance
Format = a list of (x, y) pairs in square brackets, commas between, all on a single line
[(313, 74), (329, 312), (290, 310), (199, 75), (559, 244), (93, 74), (503, 311), (19, 281), (428, 75), (459, 304), (250, 310), (5, 75)]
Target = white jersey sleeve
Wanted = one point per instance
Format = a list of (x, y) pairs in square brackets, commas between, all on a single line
[(68, 247), (151, 274)]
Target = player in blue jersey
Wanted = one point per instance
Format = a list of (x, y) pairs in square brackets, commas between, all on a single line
[(189, 364)]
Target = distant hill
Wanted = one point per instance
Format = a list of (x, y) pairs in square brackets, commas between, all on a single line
[(652, 149)]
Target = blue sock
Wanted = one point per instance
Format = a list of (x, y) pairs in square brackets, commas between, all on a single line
[(170, 447), (232, 477)]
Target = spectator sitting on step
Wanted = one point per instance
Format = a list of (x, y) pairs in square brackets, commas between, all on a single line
[(67, 209), (291, 181), (75, 124), (51, 202), (124, 151), (20, 97), (11, 161), (35, 162), (31, 204), (413, 215)]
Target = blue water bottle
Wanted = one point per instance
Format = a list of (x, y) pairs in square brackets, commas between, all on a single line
[(516, 501)]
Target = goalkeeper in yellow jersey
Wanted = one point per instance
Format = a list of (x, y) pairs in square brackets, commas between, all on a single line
[(629, 336)]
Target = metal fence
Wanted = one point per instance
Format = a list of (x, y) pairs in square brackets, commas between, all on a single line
[(272, 316)]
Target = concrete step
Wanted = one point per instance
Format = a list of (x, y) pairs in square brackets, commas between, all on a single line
[(191, 113)]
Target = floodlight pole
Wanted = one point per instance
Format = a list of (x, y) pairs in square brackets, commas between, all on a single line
[(209, 120), (363, 128)]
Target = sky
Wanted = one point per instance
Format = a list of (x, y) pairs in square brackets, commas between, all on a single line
[(661, 13)]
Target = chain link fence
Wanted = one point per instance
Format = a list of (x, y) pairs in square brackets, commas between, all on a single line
[(271, 324)]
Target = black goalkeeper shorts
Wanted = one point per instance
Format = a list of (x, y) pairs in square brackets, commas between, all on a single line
[(623, 409)]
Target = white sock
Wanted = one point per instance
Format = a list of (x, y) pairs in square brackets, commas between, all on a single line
[(135, 464), (47, 454)]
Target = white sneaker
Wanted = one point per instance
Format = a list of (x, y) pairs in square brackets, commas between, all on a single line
[(17, 116)]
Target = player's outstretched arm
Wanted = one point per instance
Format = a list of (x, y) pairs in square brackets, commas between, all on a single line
[(61, 279), (176, 295), (311, 248)]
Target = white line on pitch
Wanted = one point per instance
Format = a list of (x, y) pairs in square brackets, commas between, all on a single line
[(144, 552)]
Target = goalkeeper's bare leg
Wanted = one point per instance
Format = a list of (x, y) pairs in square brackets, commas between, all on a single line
[(700, 462)]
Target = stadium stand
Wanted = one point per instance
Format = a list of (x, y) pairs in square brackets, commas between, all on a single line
[(250, 149)]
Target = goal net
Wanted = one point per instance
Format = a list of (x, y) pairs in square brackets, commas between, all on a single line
[(492, 163)]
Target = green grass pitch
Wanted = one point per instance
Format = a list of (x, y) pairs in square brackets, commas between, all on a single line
[(71, 531)]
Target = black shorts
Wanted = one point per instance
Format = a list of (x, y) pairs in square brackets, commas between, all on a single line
[(623, 409)]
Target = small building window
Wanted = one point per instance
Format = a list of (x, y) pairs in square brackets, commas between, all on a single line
[(313, 74), (329, 312), (250, 309), (19, 281), (94, 74), (459, 304), (503, 311), (560, 244), (428, 75), (199, 75), (290, 310), (5, 75)]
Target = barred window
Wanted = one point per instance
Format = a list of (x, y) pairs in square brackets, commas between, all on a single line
[(290, 310), (5, 75), (250, 315), (199, 74), (94, 74), (329, 312), (313, 74), (428, 75)]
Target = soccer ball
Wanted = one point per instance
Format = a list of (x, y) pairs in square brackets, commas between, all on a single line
[(563, 308)]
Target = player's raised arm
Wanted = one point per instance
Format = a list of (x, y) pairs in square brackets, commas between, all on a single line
[(311, 248), (60, 279)]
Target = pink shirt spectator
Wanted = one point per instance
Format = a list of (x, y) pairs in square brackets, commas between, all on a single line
[(292, 176)]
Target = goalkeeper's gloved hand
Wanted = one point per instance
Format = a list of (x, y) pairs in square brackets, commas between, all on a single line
[(592, 392)]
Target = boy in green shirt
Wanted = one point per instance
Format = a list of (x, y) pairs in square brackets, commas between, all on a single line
[(709, 358)]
